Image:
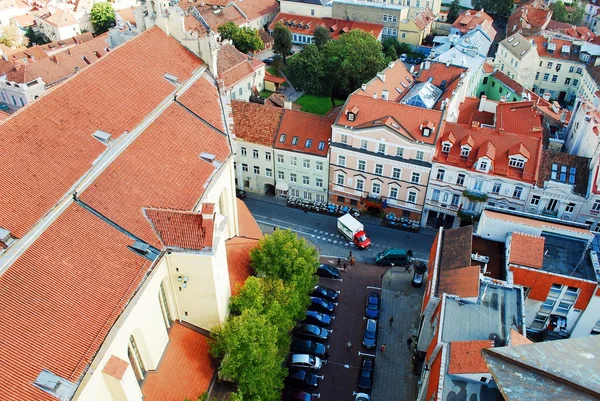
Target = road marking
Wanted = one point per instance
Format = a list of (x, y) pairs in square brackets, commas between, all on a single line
[(365, 354), (334, 241), (373, 288)]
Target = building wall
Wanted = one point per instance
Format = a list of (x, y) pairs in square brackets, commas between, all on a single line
[(256, 182), (57, 33), (16, 95), (285, 167), (242, 89), (408, 164), (308, 10), (8, 13), (563, 193), (494, 90), (262, 21), (523, 70), (589, 317)]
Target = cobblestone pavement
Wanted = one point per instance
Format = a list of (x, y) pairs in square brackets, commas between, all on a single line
[(394, 378)]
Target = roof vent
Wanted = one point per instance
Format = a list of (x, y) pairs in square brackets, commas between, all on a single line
[(209, 157), (102, 136), (140, 247), (55, 385), (171, 78)]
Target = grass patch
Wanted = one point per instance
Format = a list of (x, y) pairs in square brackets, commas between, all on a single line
[(265, 94), (273, 71), (317, 104)]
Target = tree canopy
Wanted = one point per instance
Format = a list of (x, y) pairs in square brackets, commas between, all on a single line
[(102, 17), (321, 36), (282, 40), (306, 72), (11, 36), (497, 7), (454, 10), (561, 14), (244, 39)]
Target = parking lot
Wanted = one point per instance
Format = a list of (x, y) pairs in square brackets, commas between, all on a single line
[(342, 369)]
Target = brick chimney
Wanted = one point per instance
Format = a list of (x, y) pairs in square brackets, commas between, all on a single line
[(475, 125)]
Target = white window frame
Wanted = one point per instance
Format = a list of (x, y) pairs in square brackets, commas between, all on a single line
[(415, 177)]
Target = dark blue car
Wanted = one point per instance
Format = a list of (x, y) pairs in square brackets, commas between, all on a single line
[(318, 318), (373, 305), (370, 336), (301, 377), (324, 292), (321, 305)]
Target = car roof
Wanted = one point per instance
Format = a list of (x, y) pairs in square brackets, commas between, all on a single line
[(371, 324)]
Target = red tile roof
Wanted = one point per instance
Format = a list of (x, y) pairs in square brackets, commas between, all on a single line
[(185, 370), (255, 123), (38, 152), (462, 281), (254, 9), (424, 18), (247, 225), (438, 73), (225, 14), (58, 276), (181, 229), (115, 367), (508, 82), (470, 19), (275, 79), (233, 65), (488, 68), (519, 118), (533, 17), (517, 338), (336, 27), (404, 119), (469, 112), (466, 357), (433, 386), (294, 125), (202, 98), (238, 260), (394, 75), (527, 250), (133, 181), (542, 47)]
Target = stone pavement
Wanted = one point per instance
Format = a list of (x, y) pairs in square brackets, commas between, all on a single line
[(394, 378)]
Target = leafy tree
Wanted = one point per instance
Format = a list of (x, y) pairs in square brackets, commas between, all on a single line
[(12, 37), (284, 256), (453, 10), (102, 17), (321, 36), (559, 11), (497, 7), (244, 39), (305, 72), (282, 40), (577, 13), (250, 357), (228, 30)]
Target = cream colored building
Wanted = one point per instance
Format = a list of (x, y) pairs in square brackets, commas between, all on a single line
[(57, 23), (310, 8)]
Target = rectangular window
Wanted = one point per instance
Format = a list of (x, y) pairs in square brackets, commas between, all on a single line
[(482, 165), (400, 152), (256, 170), (319, 182), (344, 138), (319, 166), (446, 148), (280, 159), (394, 193), (381, 148), (546, 76), (569, 208), (420, 155), (549, 65), (305, 180), (379, 169), (254, 154), (575, 82), (567, 81), (293, 177), (496, 188), (295, 140), (396, 173), (363, 144), (535, 200), (360, 185), (440, 175), (517, 163), (243, 151), (412, 197), (555, 291), (340, 179), (478, 186), (579, 71), (293, 161), (308, 143), (517, 192), (341, 161), (306, 163), (435, 196), (464, 152), (554, 78), (244, 167), (571, 69), (281, 175), (362, 165), (415, 178), (269, 172), (241, 91), (460, 180), (376, 188), (455, 199)]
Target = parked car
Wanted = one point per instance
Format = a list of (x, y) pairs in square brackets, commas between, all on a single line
[(321, 305), (292, 394), (268, 61), (419, 274), (373, 305), (367, 367), (361, 396), (328, 271), (312, 331), (301, 377), (403, 57), (417, 60), (240, 193), (409, 60), (309, 347), (395, 256), (305, 361), (324, 292), (318, 318), (370, 335)]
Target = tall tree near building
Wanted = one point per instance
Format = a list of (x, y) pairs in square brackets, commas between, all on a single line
[(244, 39), (228, 30), (497, 7), (321, 36), (305, 72), (282, 40), (453, 10), (12, 36), (559, 11), (102, 17), (577, 12)]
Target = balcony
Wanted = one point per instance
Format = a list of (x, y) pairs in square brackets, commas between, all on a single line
[(468, 215), (474, 195)]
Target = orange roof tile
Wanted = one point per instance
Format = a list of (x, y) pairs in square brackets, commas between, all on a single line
[(508, 82), (248, 226), (517, 338), (24, 21), (519, 118), (487, 149), (408, 119), (181, 229), (255, 123), (467, 140), (202, 98), (335, 26), (424, 18), (115, 367), (519, 149), (238, 260), (462, 281), (233, 65), (185, 370), (469, 112), (488, 68), (132, 181), (225, 14), (58, 17), (254, 9), (47, 130), (470, 19), (527, 250), (395, 75), (59, 275), (466, 357), (542, 47), (274, 78), (293, 125)]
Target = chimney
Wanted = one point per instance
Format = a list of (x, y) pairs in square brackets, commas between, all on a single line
[(546, 96), (55, 59), (555, 107), (363, 87), (563, 116), (385, 94), (427, 65), (374, 95), (287, 105), (475, 125)]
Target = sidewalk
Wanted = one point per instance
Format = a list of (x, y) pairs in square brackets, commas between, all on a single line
[(394, 378)]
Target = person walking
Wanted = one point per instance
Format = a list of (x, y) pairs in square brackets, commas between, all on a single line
[(350, 256), (339, 262), (409, 342), (407, 268), (348, 346), (345, 267), (352, 261), (382, 349), (391, 320)]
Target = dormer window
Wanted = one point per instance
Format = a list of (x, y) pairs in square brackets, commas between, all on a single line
[(282, 138), (351, 116), (516, 162), (427, 128), (483, 165), (464, 151), (352, 113), (295, 140), (446, 147)]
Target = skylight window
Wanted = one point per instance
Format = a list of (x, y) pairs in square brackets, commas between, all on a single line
[(510, 39), (308, 143), (282, 138), (295, 140), (516, 44), (321, 145)]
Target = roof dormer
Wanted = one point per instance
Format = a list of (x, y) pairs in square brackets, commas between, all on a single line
[(466, 145), (352, 113), (427, 128), (448, 140), (518, 155)]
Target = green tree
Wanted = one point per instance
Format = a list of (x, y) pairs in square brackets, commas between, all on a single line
[(244, 39), (250, 357), (497, 7), (559, 11), (305, 72), (453, 10), (228, 30), (285, 256), (389, 48), (577, 13), (282, 40), (102, 17), (321, 36), (354, 58), (13, 37)]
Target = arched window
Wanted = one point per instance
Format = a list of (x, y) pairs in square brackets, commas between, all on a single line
[(136, 360)]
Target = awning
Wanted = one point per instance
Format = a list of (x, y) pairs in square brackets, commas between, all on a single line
[(281, 186)]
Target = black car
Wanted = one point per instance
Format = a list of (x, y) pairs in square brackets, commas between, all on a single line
[(268, 61), (324, 292), (312, 331), (318, 318), (299, 395), (373, 305), (370, 336), (309, 347), (240, 193), (301, 377), (321, 305), (409, 60), (367, 367), (328, 271)]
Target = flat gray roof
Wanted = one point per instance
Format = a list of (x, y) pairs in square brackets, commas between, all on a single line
[(568, 257)]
